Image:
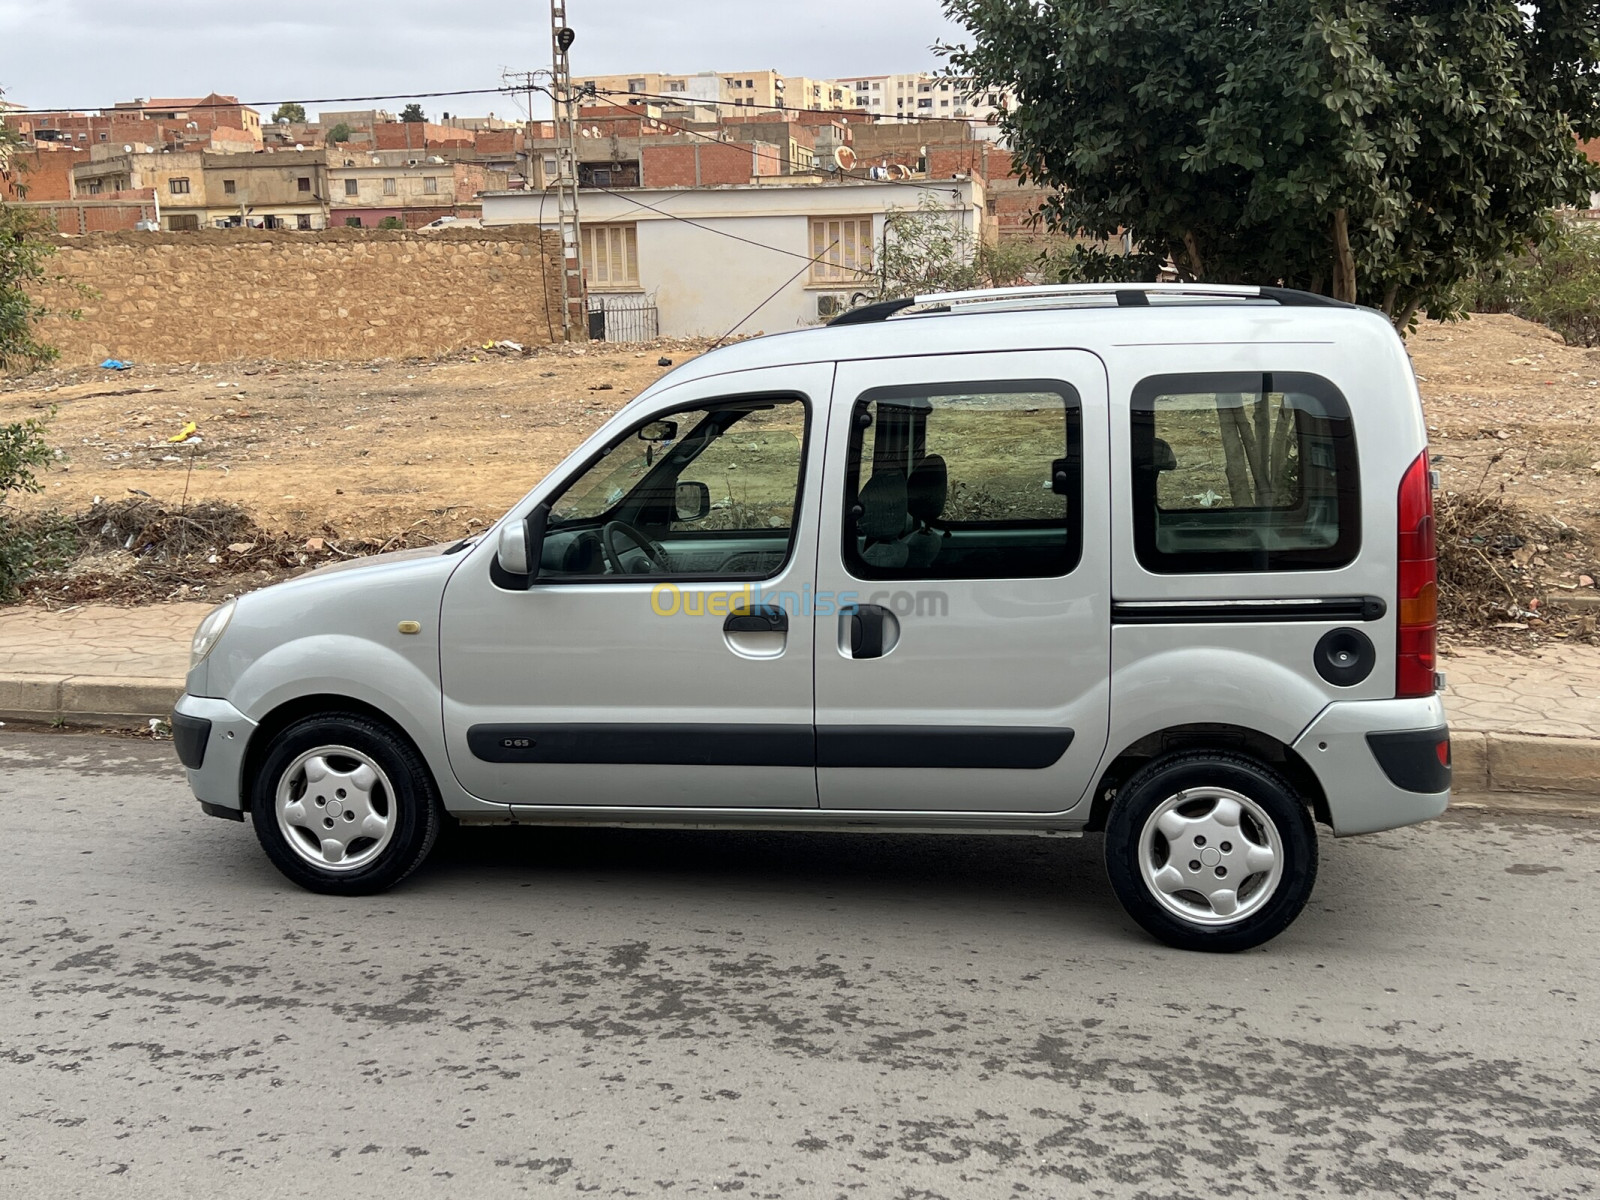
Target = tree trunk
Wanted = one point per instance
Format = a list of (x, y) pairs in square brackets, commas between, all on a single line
[(1191, 250), (1344, 263), (1236, 450)]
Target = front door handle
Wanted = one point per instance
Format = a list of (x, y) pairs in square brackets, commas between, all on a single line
[(869, 625), (763, 618)]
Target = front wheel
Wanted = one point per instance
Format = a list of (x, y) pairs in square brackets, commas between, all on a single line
[(1211, 851), (344, 805)]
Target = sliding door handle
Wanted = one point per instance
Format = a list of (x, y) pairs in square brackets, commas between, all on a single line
[(869, 628)]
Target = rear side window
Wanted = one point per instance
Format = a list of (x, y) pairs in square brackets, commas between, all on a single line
[(1243, 472), (964, 481)]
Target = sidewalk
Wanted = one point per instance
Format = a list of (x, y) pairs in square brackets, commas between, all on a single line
[(94, 665), (1518, 723)]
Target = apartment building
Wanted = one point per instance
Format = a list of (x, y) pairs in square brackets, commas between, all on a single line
[(200, 190), (706, 87), (918, 95), (370, 188), (763, 89), (214, 111)]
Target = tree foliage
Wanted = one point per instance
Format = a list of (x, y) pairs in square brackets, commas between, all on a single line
[(1556, 284), (339, 133), (24, 247), (925, 249), (33, 543), (289, 111), (1375, 150), (412, 112)]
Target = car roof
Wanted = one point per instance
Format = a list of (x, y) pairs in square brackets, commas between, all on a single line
[(1098, 329)]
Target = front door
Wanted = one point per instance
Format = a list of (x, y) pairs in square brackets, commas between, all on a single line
[(642, 665), (965, 522)]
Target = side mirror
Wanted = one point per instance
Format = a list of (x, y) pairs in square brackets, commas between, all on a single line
[(659, 431), (520, 543), (512, 547), (692, 501)]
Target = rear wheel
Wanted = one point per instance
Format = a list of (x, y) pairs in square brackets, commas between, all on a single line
[(1211, 851), (344, 805)]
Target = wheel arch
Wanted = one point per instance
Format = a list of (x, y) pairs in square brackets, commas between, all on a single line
[(298, 709), (1218, 736)]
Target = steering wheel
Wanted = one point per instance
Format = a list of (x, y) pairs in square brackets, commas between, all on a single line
[(653, 549)]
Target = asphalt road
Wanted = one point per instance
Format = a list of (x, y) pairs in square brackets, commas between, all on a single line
[(695, 1014)]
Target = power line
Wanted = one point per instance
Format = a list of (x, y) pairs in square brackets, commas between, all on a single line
[(770, 298), (846, 114), (129, 107)]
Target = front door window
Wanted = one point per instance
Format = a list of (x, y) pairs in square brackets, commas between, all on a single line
[(708, 492)]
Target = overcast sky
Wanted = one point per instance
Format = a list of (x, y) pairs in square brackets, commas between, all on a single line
[(87, 54)]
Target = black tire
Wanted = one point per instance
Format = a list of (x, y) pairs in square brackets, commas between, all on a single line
[(1148, 790), (411, 802)]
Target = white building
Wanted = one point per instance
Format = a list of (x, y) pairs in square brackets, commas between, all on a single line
[(640, 248), (920, 94)]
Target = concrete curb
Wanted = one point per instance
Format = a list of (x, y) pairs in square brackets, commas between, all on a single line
[(93, 701), (1525, 764)]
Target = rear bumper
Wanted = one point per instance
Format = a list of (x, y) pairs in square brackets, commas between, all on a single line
[(211, 737), (1372, 756)]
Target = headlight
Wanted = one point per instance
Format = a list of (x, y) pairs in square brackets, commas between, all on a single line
[(210, 630)]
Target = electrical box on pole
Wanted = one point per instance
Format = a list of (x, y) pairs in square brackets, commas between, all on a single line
[(574, 304)]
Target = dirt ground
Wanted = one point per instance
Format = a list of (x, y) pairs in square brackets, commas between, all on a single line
[(368, 449), (434, 449)]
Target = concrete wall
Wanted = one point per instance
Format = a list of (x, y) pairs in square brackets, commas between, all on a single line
[(339, 294)]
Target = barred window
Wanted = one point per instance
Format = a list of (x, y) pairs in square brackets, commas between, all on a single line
[(841, 248)]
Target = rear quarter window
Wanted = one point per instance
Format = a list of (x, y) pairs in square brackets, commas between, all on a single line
[(1243, 472)]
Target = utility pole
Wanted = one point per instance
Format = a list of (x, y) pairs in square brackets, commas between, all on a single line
[(527, 82), (574, 307)]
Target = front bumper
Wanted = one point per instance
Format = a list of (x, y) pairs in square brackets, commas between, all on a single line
[(1362, 797), (214, 737)]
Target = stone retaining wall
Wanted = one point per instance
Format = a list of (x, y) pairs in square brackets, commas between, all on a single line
[(336, 294)]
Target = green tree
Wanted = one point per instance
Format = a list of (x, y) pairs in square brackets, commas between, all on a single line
[(1374, 150), (339, 133), (24, 247), (289, 111), (412, 112), (38, 542), (1556, 284), (926, 249)]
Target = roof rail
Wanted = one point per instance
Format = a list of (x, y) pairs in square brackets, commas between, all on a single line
[(1128, 295)]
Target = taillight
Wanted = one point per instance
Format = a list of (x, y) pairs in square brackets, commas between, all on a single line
[(1418, 571)]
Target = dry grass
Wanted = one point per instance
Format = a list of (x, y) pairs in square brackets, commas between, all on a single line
[(139, 551)]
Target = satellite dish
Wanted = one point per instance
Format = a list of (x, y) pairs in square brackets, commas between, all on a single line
[(844, 158), (899, 171), (126, 149), (298, 146)]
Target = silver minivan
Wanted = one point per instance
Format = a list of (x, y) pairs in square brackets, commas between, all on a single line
[(1152, 560)]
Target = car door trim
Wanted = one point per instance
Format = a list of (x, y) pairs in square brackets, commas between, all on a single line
[(1247, 612), (664, 745), (983, 747), (942, 747)]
